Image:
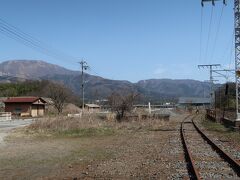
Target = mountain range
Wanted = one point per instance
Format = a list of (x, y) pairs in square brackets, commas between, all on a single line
[(98, 87)]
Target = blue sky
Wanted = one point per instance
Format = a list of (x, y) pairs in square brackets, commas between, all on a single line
[(123, 39)]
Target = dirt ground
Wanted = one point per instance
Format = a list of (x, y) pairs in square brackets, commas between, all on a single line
[(140, 153)]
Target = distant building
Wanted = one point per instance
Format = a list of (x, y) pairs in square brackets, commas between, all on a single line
[(92, 107), (194, 101), (25, 106)]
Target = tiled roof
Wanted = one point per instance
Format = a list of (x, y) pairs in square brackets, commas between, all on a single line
[(22, 99)]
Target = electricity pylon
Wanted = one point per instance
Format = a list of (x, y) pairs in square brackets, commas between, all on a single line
[(237, 49)]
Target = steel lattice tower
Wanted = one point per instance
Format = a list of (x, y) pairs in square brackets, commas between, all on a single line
[(237, 49), (237, 53)]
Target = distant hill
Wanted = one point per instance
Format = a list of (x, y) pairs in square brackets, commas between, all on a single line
[(169, 87), (97, 87), (31, 69)]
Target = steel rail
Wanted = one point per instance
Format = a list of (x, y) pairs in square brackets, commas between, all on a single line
[(192, 170), (232, 162)]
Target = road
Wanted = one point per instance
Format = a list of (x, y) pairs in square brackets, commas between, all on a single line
[(7, 126)]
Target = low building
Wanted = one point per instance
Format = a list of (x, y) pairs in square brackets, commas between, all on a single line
[(92, 107), (194, 101), (25, 106)]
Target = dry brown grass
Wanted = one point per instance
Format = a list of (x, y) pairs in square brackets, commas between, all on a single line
[(66, 123), (93, 124)]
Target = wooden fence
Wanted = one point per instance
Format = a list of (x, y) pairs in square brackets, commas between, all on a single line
[(5, 116)]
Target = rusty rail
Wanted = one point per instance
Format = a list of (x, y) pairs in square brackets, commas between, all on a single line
[(233, 163), (193, 172)]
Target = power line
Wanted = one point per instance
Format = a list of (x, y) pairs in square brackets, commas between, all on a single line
[(24, 41), (24, 36), (217, 33), (31, 42), (93, 70), (209, 33), (231, 51), (201, 29), (228, 47)]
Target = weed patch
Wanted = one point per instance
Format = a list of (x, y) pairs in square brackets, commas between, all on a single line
[(221, 130), (213, 126)]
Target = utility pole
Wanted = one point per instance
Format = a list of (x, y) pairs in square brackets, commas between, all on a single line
[(84, 66), (237, 49), (211, 80)]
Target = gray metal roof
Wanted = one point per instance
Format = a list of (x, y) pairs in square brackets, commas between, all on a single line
[(194, 100)]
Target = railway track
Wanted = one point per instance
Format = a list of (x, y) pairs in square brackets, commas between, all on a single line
[(205, 160)]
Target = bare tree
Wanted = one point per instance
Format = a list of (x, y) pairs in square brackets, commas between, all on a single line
[(59, 95), (122, 103)]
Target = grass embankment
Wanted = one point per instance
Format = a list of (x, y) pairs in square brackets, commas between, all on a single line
[(221, 130)]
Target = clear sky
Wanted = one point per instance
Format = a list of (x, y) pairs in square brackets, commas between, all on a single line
[(123, 39)]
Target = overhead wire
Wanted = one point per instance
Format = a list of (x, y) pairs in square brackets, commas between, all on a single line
[(217, 33), (227, 47), (24, 41), (231, 53), (93, 70), (201, 31), (28, 40), (31, 42), (209, 33)]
